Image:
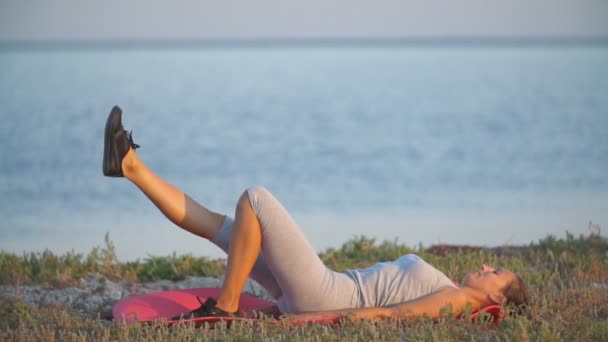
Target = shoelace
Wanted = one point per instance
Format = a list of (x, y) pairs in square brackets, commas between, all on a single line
[(200, 301), (201, 308), (192, 313), (134, 146)]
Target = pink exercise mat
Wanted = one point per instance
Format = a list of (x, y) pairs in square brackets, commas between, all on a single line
[(167, 304)]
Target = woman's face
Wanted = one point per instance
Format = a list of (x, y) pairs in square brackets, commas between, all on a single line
[(489, 279)]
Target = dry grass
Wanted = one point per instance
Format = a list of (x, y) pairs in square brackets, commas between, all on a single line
[(568, 280)]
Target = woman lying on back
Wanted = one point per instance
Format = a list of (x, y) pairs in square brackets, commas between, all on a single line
[(264, 242)]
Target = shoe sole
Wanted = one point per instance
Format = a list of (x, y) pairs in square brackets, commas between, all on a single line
[(113, 122)]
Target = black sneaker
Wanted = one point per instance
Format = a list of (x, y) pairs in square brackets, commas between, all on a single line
[(207, 309), (117, 142)]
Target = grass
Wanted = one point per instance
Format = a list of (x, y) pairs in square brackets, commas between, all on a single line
[(568, 280)]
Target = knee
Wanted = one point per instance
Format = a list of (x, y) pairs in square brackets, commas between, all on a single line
[(244, 200), (249, 205), (253, 197), (255, 191)]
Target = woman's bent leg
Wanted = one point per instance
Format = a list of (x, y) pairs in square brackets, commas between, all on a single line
[(245, 245), (260, 272), (306, 283)]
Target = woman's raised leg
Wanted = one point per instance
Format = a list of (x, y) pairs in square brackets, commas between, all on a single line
[(172, 202), (120, 160)]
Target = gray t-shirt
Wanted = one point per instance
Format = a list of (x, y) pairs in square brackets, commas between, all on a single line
[(406, 278)]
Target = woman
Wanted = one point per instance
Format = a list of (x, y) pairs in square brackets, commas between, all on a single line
[(263, 242)]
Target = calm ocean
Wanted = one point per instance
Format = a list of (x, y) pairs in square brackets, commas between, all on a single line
[(479, 145)]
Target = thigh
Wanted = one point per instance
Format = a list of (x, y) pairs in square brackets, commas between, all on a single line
[(305, 282)]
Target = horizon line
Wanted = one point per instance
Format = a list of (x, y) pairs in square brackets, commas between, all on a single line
[(307, 42)]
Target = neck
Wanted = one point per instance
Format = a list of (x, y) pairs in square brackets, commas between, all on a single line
[(477, 298)]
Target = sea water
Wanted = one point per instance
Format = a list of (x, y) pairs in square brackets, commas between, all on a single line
[(484, 145)]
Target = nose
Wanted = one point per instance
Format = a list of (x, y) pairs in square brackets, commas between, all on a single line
[(486, 268)]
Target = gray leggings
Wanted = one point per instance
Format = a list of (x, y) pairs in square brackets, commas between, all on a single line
[(288, 267)]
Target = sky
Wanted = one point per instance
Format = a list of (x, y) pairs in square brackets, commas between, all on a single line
[(310, 19)]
